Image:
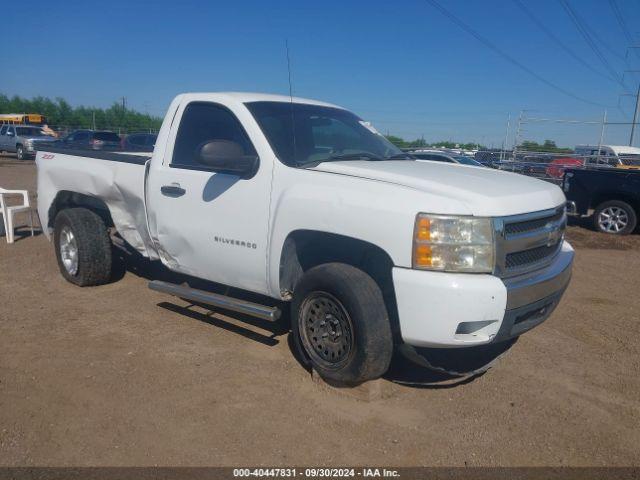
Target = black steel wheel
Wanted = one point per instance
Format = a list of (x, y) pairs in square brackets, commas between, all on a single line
[(327, 332)]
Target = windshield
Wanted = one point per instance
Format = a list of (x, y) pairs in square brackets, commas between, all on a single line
[(467, 161), (29, 132), (302, 134)]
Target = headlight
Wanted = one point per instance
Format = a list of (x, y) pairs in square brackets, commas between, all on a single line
[(453, 244)]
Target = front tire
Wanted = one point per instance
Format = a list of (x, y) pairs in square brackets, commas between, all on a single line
[(20, 152), (615, 217), (83, 247), (340, 324)]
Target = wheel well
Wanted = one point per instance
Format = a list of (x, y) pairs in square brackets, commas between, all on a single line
[(607, 196), (66, 199), (304, 249)]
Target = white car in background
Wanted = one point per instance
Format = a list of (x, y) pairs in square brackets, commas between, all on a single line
[(445, 156)]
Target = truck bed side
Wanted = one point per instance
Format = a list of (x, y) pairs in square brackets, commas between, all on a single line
[(115, 179), (587, 188)]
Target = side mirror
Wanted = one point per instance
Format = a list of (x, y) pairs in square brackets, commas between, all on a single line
[(9, 134), (225, 156)]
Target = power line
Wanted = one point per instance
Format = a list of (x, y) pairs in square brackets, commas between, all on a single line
[(584, 31), (559, 42), (506, 56), (606, 46), (597, 37), (622, 23)]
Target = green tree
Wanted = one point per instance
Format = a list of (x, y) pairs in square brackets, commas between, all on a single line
[(549, 146), (60, 113), (420, 143)]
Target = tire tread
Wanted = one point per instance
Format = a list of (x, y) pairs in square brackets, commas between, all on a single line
[(94, 246), (363, 299)]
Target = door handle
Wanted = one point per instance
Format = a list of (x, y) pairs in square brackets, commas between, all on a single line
[(173, 190)]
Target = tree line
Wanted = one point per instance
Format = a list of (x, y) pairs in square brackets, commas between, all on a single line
[(60, 113), (421, 143), (548, 146)]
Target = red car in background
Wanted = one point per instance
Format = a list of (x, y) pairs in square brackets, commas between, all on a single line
[(555, 169)]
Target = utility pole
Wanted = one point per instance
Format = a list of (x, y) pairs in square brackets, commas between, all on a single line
[(124, 111), (506, 137), (517, 137), (604, 122), (635, 116)]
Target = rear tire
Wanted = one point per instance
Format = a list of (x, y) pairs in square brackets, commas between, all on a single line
[(615, 217), (340, 324), (83, 247)]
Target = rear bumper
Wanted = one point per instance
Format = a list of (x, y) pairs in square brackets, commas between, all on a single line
[(439, 309)]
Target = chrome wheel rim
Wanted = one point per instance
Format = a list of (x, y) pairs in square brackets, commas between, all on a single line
[(613, 219), (326, 330), (69, 251)]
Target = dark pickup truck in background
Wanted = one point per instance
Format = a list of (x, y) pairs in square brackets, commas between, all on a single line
[(612, 194)]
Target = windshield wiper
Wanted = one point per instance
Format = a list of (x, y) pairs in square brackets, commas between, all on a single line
[(355, 156), (400, 156)]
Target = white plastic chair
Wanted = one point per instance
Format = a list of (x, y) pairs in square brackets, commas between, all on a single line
[(8, 212)]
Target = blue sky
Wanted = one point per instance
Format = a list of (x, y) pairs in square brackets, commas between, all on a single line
[(401, 64)]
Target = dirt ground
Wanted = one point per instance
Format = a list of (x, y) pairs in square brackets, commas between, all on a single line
[(122, 375)]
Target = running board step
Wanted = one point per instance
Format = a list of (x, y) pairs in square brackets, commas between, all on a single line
[(271, 314)]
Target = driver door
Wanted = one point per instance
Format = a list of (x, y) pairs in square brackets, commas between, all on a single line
[(208, 224)]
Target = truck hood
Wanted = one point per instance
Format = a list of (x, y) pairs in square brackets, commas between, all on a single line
[(485, 192)]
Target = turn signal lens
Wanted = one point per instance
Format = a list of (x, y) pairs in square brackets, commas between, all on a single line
[(423, 256), (423, 229)]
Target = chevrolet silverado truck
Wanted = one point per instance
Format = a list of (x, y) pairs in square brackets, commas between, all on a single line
[(310, 207)]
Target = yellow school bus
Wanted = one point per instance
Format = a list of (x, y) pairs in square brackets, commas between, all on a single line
[(23, 119)]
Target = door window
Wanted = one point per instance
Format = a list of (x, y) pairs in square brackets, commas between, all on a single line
[(136, 140), (80, 136), (204, 122)]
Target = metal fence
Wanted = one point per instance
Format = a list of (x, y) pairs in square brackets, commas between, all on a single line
[(551, 166), (63, 130)]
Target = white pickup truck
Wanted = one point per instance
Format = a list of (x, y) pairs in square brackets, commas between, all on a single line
[(303, 202)]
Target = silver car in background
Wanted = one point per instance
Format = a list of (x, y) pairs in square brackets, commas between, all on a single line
[(22, 140), (446, 156)]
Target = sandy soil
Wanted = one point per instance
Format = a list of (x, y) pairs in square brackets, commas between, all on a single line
[(121, 375)]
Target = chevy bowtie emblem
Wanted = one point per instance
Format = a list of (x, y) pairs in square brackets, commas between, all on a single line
[(553, 237)]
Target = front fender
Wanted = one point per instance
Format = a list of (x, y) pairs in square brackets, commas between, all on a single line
[(376, 212)]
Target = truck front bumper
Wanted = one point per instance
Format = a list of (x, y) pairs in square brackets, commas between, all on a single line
[(438, 309)]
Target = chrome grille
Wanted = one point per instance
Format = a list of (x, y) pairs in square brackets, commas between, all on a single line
[(525, 243), (527, 257), (529, 225)]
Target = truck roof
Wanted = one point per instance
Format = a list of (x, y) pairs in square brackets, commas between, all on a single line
[(617, 149), (245, 97)]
